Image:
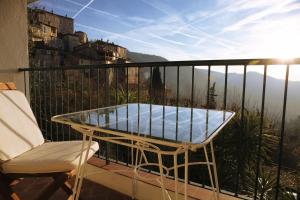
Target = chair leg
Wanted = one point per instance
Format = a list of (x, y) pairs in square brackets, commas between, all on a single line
[(67, 188), (58, 182)]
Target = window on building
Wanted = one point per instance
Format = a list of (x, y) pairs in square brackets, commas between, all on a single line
[(53, 30)]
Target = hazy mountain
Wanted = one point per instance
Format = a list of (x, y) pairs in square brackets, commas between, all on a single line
[(253, 95), (140, 57)]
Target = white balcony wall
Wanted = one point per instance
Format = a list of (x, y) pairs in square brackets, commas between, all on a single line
[(13, 41)]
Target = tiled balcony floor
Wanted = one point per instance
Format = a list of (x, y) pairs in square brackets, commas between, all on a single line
[(195, 192), (29, 188)]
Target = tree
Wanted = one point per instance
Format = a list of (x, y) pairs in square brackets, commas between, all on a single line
[(212, 97), (265, 185), (156, 91), (123, 95), (237, 148)]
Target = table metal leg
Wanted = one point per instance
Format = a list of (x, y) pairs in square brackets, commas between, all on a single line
[(186, 173), (176, 176), (161, 171), (78, 168), (215, 169), (134, 182), (210, 173)]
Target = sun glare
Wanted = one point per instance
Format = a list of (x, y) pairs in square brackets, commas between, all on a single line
[(282, 43)]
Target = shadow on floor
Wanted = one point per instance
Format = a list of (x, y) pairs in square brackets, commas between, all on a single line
[(29, 188)]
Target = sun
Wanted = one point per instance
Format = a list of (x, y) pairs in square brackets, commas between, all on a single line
[(282, 42)]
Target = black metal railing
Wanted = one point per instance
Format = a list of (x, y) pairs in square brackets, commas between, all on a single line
[(250, 151)]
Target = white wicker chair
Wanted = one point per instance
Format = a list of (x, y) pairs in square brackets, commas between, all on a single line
[(24, 153)]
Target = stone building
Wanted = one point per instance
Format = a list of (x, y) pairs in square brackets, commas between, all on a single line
[(53, 43), (58, 24), (41, 57), (82, 37), (70, 41), (100, 50)]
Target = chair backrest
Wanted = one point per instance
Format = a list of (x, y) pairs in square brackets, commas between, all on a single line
[(19, 131)]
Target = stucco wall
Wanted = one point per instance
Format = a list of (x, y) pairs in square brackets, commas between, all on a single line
[(13, 41)]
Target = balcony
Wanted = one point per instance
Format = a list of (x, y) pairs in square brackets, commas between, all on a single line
[(256, 153)]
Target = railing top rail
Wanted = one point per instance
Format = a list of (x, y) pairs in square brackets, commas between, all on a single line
[(265, 61)]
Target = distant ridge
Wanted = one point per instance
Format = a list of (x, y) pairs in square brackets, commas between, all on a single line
[(141, 57), (273, 95)]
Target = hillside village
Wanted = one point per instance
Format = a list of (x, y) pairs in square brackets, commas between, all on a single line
[(53, 42)]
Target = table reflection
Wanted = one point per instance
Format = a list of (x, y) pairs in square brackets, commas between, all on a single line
[(179, 124)]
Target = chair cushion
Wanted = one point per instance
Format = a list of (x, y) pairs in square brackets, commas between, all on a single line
[(19, 131), (49, 157)]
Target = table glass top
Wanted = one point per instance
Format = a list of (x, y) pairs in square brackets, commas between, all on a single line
[(176, 124)]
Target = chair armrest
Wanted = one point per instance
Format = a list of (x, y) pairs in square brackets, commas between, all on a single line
[(8, 86)]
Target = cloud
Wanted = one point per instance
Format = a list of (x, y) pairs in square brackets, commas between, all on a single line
[(226, 7), (175, 22), (196, 15), (52, 6), (101, 12), (165, 39), (113, 34), (108, 15), (189, 35), (252, 18), (82, 9), (238, 6), (140, 19), (158, 5)]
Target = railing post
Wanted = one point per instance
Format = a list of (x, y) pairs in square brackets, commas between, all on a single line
[(68, 102), (177, 101), (107, 103), (50, 104), (25, 85), (225, 88), (127, 101), (151, 91), (282, 130), (116, 71), (62, 100), (241, 134), (56, 102), (262, 110), (208, 87), (45, 103), (164, 101)]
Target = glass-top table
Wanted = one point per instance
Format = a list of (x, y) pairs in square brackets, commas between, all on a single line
[(148, 127), (175, 124)]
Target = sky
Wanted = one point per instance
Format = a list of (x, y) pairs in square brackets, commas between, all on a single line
[(190, 29)]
